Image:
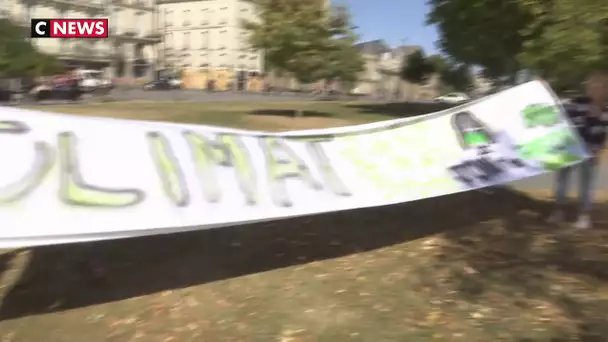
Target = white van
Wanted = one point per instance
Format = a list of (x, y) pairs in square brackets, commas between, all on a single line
[(92, 79)]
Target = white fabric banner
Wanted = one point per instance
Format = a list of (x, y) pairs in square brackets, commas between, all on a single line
[(71, 179)]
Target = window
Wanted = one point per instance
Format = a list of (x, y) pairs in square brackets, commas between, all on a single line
[(204, 15), (186, 41), (186, 15), (204, 40), (168, 16)]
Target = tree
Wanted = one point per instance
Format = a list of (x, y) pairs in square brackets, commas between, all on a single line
[(305, 39), (18, 57), (344, 62), (567, 39), (453, 76), (457, 77), (416, 68), (486, 33), (559, 40)]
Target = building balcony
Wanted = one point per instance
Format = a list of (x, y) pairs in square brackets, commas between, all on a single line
[(136, 36), (162, 2), (134, 4), (83, 53), (98, 6)]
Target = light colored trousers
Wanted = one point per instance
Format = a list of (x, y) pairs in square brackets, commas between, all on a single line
[(588, 170)]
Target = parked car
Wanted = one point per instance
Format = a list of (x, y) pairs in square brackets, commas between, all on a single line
[(93, 81), (56, 89), (453, 98), (329, 95), (5, 94), (163, 84)]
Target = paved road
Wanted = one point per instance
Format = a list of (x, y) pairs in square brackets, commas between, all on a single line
[(195, 96), (202, 96)]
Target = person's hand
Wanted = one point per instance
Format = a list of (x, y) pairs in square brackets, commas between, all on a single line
[(596, 151)]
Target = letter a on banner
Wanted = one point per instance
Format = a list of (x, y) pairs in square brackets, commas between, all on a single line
[(282, 163)]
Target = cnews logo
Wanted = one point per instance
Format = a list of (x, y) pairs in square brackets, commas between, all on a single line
[(69, 28)]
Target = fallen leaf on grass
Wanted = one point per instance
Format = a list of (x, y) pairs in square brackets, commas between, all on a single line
[(433, 316), (470, 270), (476, 315)]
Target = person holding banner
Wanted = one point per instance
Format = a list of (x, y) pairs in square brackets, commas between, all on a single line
[(589, 114)]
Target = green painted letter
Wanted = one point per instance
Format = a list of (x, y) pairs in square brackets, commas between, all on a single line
[(332, 180), (288, 165), (169, 170), (74, 190), (43, 161), (226, 150)]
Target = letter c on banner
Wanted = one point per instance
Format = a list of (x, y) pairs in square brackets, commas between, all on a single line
[(43, 160)]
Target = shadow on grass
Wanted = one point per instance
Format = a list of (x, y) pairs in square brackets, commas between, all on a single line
[(401, 109), (5, 260), (536, 265), (291, 113), (71, 276)]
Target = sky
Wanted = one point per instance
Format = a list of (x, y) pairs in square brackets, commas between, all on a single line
[(398, 22)]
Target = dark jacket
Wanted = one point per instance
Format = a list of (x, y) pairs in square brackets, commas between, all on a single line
[(592, 129)]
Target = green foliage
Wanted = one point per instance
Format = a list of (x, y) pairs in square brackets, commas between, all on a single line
[(559, 40), (567, 39), (453, 77), (458, 77), (485, 33), (305, 39), (416, 68), (19, 58)]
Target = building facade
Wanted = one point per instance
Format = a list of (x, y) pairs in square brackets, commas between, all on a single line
[(381, 76), (129, 53), (204, 40)]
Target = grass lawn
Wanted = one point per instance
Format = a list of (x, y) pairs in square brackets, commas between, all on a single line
[(468, 267), (272, 116)]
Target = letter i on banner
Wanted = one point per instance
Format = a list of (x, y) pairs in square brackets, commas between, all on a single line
[(169, 170)]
